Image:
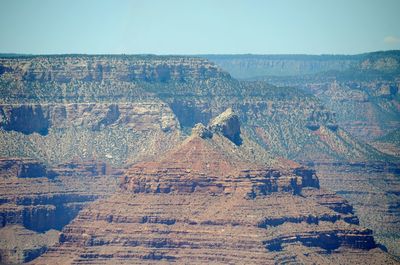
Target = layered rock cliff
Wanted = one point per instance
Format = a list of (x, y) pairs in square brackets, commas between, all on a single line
[(147, 107), (61, 110), (200, 203)]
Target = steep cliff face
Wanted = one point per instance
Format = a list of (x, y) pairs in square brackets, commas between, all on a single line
[(51, 101), (362, 108), (200, 203)]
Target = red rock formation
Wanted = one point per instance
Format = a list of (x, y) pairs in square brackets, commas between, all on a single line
[(201, 204)]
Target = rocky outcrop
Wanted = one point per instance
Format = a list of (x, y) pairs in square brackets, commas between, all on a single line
[(228, 124), (194, 229)]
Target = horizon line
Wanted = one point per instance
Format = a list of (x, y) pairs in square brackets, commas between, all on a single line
[(14, 54)]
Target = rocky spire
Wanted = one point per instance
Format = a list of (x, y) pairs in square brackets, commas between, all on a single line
[(202, 131), (228, 124)]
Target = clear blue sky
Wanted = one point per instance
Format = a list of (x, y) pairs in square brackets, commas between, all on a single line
[(199, 26)]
